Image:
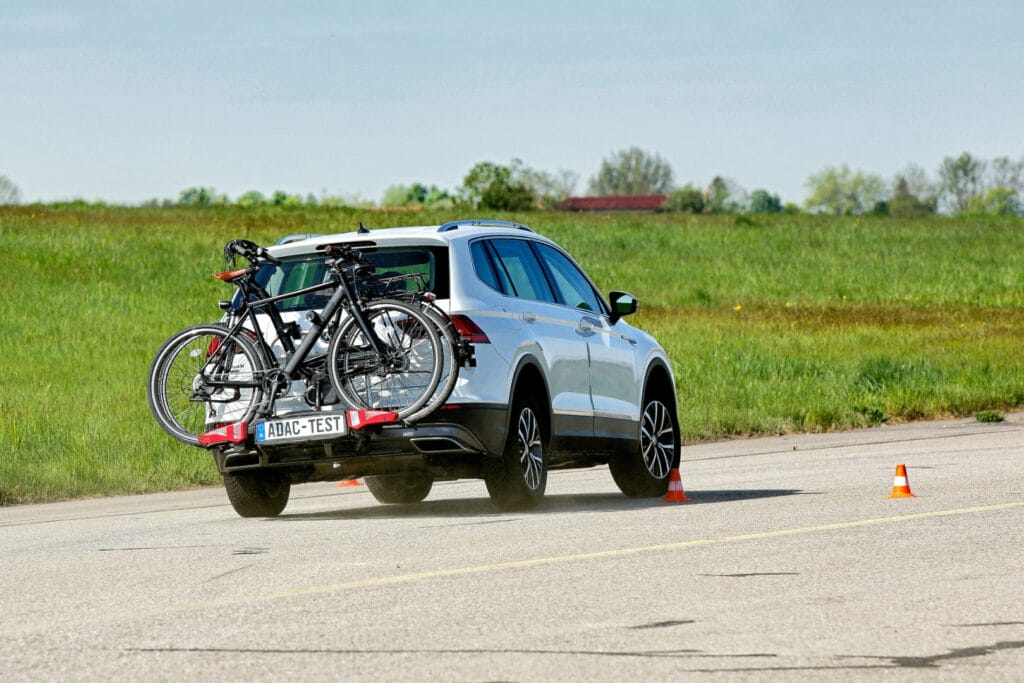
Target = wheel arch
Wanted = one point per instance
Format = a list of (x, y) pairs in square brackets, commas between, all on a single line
[(658, 378), (660, 382), (529, 379)]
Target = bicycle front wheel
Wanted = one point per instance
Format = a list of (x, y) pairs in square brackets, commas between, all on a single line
[(404, 377), (203, 377)]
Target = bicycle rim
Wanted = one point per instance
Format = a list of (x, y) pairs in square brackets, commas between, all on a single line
[(406, 381), (190, 387)]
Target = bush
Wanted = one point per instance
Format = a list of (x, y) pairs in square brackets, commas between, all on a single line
[(685, 200)]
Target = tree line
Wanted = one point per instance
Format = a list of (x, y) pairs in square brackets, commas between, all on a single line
[(961, 185)]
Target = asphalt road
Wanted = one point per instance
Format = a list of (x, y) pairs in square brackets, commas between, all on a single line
[(791, 562)]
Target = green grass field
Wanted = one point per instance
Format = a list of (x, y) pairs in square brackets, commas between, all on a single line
[(787, 323)]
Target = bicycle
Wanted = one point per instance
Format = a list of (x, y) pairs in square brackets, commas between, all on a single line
[(385, 354), (458, 350)]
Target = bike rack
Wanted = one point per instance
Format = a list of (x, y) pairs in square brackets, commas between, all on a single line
[(455, 225)]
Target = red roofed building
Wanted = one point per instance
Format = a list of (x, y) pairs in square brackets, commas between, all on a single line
[(638, 202)]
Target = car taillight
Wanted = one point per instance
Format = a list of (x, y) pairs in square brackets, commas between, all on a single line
[(469, 330)]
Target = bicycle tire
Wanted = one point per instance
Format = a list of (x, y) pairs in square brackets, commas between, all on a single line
[(408, 380), (182, 404), (450, 366), (450, 347)]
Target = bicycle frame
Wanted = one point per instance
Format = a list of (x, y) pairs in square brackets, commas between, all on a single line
[(343, 297)]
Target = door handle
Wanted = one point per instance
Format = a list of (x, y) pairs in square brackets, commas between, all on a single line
[(529, 317), (585, 329)]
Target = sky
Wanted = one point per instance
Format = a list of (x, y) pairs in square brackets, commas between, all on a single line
[(127, 101)]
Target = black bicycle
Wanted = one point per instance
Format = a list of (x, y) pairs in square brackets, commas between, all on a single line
[(382, 353)]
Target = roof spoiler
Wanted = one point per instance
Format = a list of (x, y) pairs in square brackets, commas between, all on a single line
[(297, 237)]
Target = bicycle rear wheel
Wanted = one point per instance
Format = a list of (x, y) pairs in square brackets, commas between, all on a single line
[(203, 377), (450, 362), (405, 378)]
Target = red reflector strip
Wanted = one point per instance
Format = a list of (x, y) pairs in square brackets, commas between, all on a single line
[(469, 330), (357, 419), (232, 433)]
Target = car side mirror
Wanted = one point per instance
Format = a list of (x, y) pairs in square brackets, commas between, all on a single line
[(622, 304)]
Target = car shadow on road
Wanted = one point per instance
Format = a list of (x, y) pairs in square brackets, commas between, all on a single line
[(552, 504), (733, 495)]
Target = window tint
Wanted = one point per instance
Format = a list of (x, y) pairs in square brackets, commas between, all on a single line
[(403, 262), (525, 275), (295, 274), (292, 275), (573, 287), (482, 265)]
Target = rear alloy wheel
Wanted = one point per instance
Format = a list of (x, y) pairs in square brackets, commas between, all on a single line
[(400, 489), (644, 473), (257, 494), (516, 480)]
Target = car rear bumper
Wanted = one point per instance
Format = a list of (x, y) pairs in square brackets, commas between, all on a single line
[(454, 438)]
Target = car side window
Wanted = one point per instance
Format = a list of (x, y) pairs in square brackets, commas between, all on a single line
[(572, 285), (483, 266), (517, 265)]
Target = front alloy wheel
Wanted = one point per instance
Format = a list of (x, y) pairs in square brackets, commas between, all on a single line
[(644, 473), (399, 489), (657, 439)]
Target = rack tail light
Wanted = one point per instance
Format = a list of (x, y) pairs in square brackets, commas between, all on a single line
[(229, 433), (357, 419)]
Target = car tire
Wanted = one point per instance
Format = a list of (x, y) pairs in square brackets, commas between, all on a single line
[(516, 479), (399, 489), (257, 494), (644, 473)]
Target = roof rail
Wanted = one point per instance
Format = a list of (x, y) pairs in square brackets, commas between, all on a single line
[(487, 223), (295, 238)]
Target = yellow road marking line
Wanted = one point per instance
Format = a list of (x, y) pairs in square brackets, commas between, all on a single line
[(500, 566), (621, 552)]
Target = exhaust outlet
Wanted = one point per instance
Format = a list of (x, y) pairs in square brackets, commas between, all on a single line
[(440, 444)]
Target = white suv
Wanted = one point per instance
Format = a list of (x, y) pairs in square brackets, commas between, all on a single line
[(554, 378)]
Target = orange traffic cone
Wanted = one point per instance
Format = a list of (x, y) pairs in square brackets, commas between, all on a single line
[(675, 489), (349, 482), (900, 485)]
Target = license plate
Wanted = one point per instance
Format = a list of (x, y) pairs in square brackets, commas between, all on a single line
[(301, 428)]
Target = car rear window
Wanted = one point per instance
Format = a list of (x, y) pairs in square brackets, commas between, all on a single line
[(298, 273)]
